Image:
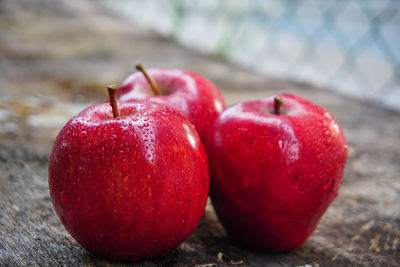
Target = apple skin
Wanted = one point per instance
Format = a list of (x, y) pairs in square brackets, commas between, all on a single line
[(194, 96), (274, 176), (129, 187)]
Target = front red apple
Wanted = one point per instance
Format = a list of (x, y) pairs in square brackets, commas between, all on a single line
[(274, 175), (194, 96), (129, 187)]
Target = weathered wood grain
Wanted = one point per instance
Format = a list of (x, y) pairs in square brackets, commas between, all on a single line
[(56, 58)]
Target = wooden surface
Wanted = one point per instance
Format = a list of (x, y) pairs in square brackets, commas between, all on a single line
[(56, 57)]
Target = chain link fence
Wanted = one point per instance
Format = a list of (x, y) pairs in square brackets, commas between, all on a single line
[(352, 47)]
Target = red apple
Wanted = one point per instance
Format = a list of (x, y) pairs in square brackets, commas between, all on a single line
[(194, 96), (274, 169), (130, 187)]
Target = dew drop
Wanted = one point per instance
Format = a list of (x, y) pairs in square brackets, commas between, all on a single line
[(327, 184), (81, 184), (244, 182), (125, 179), (280, 145), (82, 134), (64, 197)]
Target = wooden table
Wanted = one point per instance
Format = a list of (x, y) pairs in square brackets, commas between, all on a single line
[(56, 57)]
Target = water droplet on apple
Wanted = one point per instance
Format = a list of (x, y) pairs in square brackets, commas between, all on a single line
[(280, 143), (64, 197), (327, 184), (81, 184), (125, 179), (123, 235), (244, 182), (82, 134)]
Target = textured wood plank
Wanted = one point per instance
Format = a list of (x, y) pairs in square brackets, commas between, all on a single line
[(56, 58)]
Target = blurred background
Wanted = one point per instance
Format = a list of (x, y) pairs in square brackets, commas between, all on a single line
[(352, 47)]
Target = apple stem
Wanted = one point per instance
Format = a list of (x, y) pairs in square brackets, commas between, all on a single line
[(153, 85), (112, 92), (277, 106)]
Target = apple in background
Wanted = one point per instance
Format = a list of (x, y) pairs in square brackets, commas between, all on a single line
[(276, 165), (194, 96), (130, 185)]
